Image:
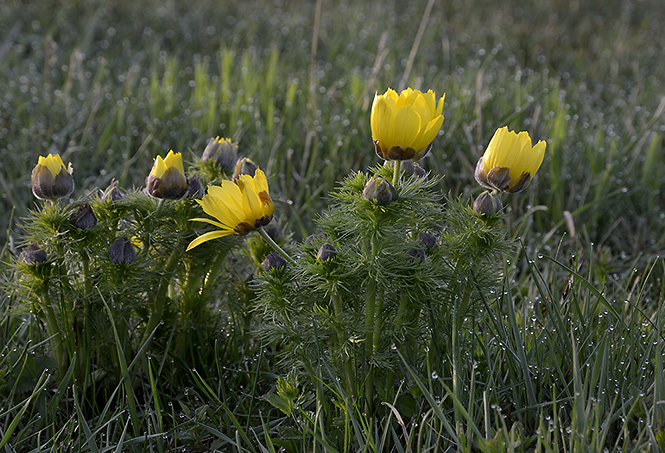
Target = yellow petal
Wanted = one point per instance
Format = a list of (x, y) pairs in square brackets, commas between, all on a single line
[(429, 134), (407, 127), (207, 237), (212, 222), (383, 121)]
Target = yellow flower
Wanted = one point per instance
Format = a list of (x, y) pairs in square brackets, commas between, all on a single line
[(509, 161), (405, 125), (51, 179), (238, 207), (167, 177)]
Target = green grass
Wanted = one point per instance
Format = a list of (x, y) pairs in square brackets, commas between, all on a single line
[(566, 355)]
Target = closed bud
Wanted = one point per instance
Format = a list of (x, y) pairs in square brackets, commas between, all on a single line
[(273, 261), (379, 190), (50, 178), (122, 252), (427, 240), (84, 218), (167, 178), (195, 187), (112, 193), (416, 254), (309, 240), (33, 254), (411, 168), (487, 204), (327, 252), (273, 230), (244, 166), (222, 152)]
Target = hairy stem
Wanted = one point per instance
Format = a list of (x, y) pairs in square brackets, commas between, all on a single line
[(274, 246)]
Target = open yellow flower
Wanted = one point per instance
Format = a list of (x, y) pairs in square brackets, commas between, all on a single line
[(51, 179), (405, 125), (238, 207), (167, 177), (509, 161)]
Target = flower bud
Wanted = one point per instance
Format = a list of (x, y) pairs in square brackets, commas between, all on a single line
[(416, 254), (379, 190), (195, 187), (244, 166), (427, 240), (33, 254), (273, 230), (274, 261), (112, 193), (167, 177), (411, 168), (309, 240), (487, 204), (510, 161), (84, 218), (222, 152), (327, 252), (121, 252), (50, 178)]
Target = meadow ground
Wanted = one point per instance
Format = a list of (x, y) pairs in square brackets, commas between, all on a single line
[(565, 356)]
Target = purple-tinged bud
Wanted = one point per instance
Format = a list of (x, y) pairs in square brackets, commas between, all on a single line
[(83, 218), (33, 254), (195, 187), (379, 190), (112, 192), (244, 166), (167, 178), (51, 179), (122, 252), (273, 261), (427, 240), (327, 252), (487, 204), (416, 254), (273, 230), (222, 152)]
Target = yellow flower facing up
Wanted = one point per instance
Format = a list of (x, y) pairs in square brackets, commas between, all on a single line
[(51, 179), (238, 207), (510, 161), (167, 177), (404, 125)]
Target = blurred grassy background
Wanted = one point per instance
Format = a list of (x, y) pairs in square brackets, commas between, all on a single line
[(109, 85)]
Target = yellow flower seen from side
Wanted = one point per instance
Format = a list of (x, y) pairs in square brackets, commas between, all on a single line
[(404, 125), (237, 207), (167, 177), (510, 161), (51, 179)]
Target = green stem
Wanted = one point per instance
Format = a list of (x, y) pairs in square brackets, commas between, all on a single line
[(397, 164), (348, 371), (210, 276), (457, 352), (370, 306), (378, 325), (158, 301), (399, 322), (274, 245), (54, 332), (87, 326)]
